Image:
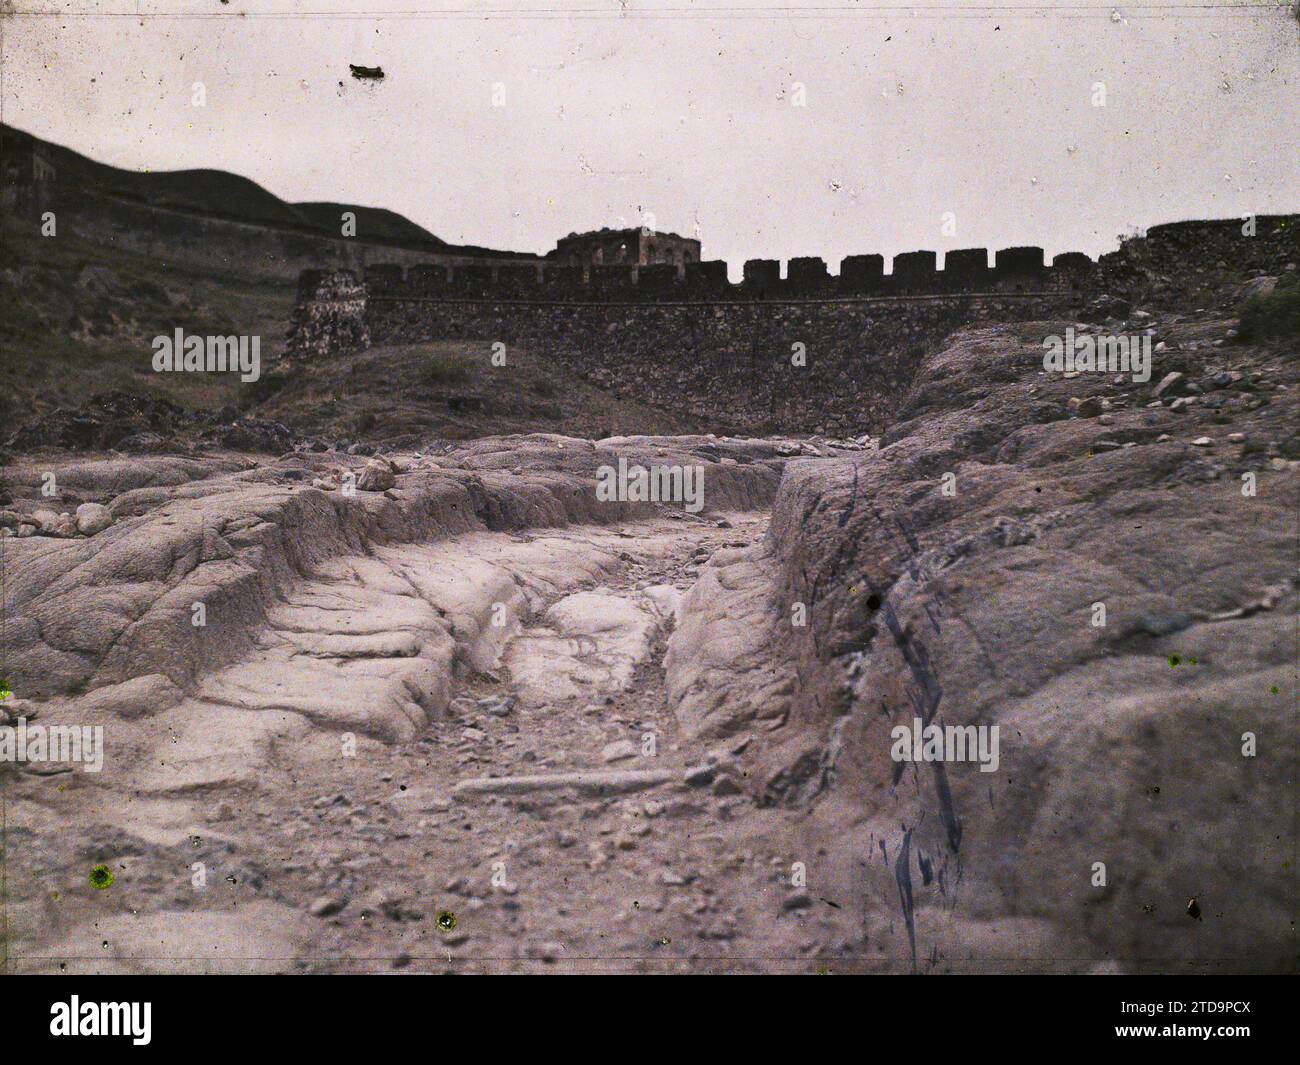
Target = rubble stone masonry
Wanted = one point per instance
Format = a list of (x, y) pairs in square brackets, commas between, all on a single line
[(810, 352)]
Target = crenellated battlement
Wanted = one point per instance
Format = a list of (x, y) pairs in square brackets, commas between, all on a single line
[(801, 351), (1189, 249), (805, 277)]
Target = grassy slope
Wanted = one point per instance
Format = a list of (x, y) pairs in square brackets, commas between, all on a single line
[(78, 318), (405, 394)]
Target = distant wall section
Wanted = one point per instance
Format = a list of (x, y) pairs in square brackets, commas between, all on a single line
[(795, 351), (746, 366)]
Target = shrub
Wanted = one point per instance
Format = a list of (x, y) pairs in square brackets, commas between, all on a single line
[(1275, 316), (447, 370)]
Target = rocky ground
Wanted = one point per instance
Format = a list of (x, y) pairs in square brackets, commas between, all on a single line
[(1107, 571), (469, 717), (431, 744)]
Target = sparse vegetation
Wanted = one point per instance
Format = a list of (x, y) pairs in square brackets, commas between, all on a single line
[(77, 319), (1274, 315), (446, 368), (402, 395)]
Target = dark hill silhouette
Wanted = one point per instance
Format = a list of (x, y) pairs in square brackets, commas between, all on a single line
[(213, 193), (377, 223)]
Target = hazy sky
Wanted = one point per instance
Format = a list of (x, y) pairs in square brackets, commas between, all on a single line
[(689, 111)]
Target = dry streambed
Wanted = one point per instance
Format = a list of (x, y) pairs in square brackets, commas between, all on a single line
[(458, 752), (478, 719)]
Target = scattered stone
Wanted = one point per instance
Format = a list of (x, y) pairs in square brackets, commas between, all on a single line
[(1160, 624), (223, 811), (51, 524), (1170, 383), (618, 751), (1256, 286), (376, 476), (327, 906), (797, 900), (727, 785), (93, 518)]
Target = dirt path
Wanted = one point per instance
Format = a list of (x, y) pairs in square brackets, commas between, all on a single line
[(448, 756), (566, 876)]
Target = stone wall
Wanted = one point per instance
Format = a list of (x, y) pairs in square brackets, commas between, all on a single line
[(329, 316), (175, 236), (808, 352), (806, 277), (1201, 262), (731, 353), (731, 363)]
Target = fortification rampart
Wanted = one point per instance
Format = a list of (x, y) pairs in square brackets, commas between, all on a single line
[(805, 352), (828, 366), (1201, 262), (1173, 259), (248, 248), (914, 273)]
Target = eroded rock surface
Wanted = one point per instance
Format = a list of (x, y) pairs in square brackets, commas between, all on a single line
[(264, 656), (478, 719), (1108, 579)]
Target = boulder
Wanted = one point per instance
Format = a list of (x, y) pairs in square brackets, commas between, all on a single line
[(376, 477), (93, 518)]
